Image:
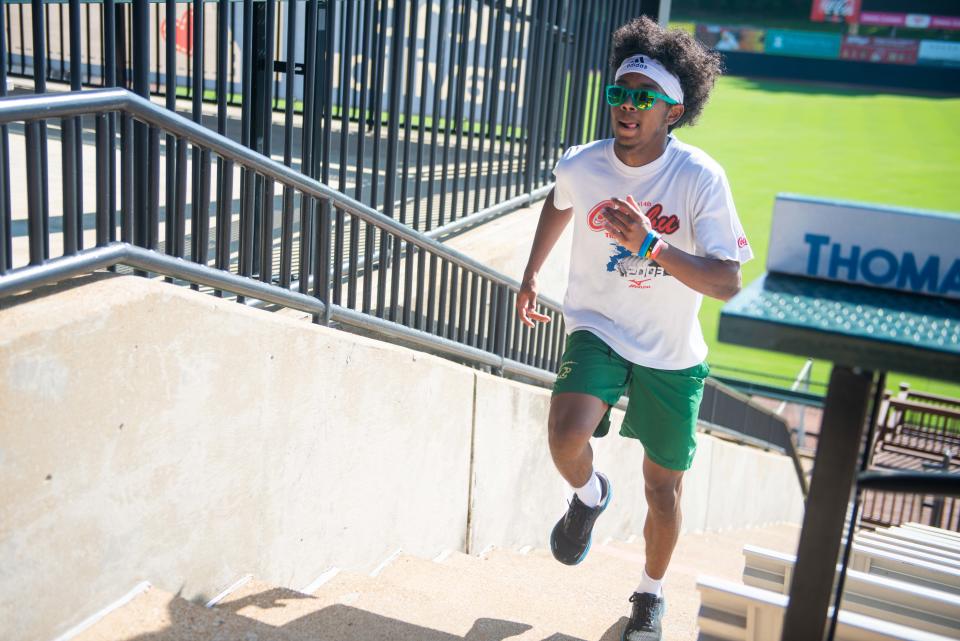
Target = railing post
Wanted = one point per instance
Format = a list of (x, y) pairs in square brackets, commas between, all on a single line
[(120, 34), (141, 68), (70, 149), (260, 120), (6, 239), (936, 512), (38, 16), (36, 221), (500, 345), (110, 30)]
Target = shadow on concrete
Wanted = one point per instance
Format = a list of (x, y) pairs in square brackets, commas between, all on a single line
[(332, 623)]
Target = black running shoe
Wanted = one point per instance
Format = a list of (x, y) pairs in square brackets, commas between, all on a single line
[(571, 536), (644, 624)]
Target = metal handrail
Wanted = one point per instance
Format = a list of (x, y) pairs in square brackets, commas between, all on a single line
[(48, 106), (937, 483), (89, 260)]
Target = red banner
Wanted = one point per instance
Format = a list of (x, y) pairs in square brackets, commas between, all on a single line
[(897, 51), (835, 11), (909, 20)]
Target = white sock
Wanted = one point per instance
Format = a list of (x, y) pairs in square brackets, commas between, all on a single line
[(650, 586), (589, 494)]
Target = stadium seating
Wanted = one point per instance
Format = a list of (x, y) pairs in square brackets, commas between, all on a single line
[(901, 583)]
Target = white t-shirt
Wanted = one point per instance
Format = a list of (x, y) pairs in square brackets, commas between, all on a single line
[(639, 310)]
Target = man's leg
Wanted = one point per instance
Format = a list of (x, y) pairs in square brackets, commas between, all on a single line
[(660, 531), (591, 376), (663, 488), (662, 415), (573, 418)]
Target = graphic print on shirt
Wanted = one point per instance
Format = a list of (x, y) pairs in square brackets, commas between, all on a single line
[(638, 272)]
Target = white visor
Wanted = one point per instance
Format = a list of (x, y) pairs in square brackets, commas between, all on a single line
[(654, 70)]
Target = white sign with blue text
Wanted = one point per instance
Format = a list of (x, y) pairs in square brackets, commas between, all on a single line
[(903, 249)]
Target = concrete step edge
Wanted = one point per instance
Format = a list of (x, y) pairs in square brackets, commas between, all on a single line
[(325, 577), (96, 617), (393, 556), (233, 587)]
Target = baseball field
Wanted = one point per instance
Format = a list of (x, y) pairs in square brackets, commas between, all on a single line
[(831, 142)]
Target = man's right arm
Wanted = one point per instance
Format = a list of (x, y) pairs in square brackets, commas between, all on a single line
[(552, 223)]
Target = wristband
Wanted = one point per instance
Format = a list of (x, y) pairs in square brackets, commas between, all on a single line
[(657, 248), (647, 242)]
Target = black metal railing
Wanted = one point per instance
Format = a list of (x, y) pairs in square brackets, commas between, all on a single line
[(419, 291), (729, 412), (426, 110), (915, 432)]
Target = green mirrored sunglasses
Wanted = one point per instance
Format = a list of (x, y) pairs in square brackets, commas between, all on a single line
[(642, 99)]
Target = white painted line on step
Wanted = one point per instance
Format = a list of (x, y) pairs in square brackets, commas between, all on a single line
[(92, 620), (321, 580), (443, 556), (487, 550), (607, 540), (239, 583), (632, 538), (525, 549), (387, 561)]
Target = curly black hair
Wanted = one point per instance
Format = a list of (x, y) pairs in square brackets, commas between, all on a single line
[(696, 66)]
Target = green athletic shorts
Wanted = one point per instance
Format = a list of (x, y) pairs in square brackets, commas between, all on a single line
[(664, 404)]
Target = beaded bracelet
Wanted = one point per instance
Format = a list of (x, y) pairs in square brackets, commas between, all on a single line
[(648, 242)]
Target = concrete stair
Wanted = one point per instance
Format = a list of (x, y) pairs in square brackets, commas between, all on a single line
[(157, 615), (501, 594)]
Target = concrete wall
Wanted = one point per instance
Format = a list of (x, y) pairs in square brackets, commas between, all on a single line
[(516, 490), (148, 432)]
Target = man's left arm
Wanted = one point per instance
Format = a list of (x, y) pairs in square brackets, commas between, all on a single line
[(712, 277)]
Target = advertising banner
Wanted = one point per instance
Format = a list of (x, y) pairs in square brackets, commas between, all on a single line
[(835, 11), (898, 51), (889, 247), (810, 44), (909, 20), (731, 38), (939, 52)]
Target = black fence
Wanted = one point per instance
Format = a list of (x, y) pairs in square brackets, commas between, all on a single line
[(403, 285), (726, 411), (427, 110), (915, 432)]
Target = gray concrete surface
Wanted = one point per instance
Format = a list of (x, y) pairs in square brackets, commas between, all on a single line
[(517, 489), (155, 433), (504, 594), (152, 431)]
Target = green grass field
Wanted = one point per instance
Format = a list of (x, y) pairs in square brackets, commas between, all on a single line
[(828, 142)]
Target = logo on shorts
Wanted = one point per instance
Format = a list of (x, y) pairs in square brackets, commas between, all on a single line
[(742, 241), (565, 369)]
